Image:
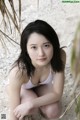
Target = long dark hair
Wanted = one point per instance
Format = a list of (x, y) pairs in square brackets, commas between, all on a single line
[(43, 28)]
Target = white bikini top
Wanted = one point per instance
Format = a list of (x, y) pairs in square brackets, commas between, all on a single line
[(30, 85)]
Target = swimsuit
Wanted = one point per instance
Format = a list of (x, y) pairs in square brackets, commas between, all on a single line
[(30, 85)]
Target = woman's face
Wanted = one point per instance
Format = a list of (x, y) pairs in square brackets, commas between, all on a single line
[(39, 49)]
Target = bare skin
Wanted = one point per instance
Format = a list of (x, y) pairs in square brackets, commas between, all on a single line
[(45, 98)]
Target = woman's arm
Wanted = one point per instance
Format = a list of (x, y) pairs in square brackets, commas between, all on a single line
[(15, 82), (14, 99)]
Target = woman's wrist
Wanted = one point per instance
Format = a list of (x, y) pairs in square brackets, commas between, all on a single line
[(31, 104)]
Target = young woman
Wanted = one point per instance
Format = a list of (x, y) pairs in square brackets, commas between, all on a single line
[(36, 80)]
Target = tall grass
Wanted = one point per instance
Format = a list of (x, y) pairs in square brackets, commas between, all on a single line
[(75, 67), (9, 17)]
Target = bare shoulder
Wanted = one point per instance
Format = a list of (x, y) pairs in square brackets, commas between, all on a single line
[(16, 75), (63, 56)]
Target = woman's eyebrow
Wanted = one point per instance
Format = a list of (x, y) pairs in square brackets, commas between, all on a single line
[(43, 43), (32, 44), (46, 43)]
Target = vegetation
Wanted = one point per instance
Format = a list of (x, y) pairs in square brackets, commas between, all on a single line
[(9, 17), (75, 66)]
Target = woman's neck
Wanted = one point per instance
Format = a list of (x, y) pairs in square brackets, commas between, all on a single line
[(38, 68)]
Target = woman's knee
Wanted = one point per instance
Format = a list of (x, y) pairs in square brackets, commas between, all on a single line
[(52, 111), (27, 95)]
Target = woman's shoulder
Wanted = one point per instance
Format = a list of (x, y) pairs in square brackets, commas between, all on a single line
[(17, 74)]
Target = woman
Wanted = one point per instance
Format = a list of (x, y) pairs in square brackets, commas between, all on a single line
[(36, 80)]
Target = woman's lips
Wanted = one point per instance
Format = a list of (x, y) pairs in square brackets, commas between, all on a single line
[(42, 59)]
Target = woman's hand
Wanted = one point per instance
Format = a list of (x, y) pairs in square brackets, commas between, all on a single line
[(23, 110)]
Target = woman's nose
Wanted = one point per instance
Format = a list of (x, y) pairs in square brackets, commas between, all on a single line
[(41, 52)]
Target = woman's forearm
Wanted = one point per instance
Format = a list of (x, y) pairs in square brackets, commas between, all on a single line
[(14, 102), (12, 117), (45, 100)]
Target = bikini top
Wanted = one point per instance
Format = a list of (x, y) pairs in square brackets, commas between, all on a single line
[(30, 85)]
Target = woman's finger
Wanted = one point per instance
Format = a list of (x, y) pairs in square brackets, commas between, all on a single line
[(18, 115), (21, 117)]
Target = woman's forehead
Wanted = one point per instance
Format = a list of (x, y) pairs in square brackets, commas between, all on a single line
[(36, 38)]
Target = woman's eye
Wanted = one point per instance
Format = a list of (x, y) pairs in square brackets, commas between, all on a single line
[(34, 47), (47, 46)]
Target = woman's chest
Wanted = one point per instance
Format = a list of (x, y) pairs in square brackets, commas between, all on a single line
[(39, 77)]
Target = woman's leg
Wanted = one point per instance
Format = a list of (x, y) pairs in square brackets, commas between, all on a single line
[(50, 111), (27, 95)]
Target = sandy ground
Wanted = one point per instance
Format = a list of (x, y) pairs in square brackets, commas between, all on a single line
[(64, 18)]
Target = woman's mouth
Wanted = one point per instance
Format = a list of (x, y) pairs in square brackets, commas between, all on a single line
[(42, 59)]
